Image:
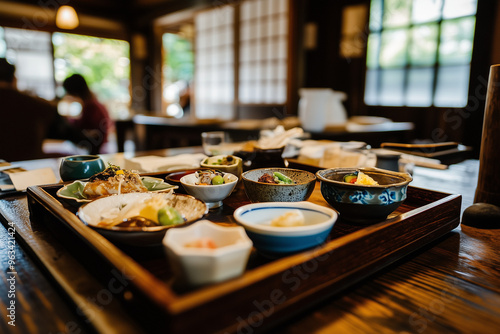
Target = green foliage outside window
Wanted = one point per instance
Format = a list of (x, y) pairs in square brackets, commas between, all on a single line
[(105, 64), (178, 60)]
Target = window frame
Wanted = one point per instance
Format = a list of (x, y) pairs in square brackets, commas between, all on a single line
[(256, 110), (436, 66), (463, 125)]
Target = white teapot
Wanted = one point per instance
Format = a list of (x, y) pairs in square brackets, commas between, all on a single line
[(320, 107)]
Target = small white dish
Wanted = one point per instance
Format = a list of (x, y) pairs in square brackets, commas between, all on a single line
[(212, 195), (196, 265)]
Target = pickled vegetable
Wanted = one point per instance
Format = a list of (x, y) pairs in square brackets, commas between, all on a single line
[(217, 180), (169, 216), (359, 178), (276, 178), (282, 179), (351, 178), (202, 243)]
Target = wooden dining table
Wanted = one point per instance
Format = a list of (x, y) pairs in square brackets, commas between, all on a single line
[(450, 285)]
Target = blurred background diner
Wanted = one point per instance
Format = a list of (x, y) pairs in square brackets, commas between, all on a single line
[(94, 121), (405, 71), (27, 120)]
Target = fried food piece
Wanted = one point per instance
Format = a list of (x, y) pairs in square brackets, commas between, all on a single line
[(113, 180)]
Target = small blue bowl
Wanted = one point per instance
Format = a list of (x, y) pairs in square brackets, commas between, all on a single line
[(274, 241)]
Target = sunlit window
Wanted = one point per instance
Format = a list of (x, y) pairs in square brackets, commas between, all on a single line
[(3, 46), (263, 51), (31, 52), (419, 52), (214, 74), (241, 57), (105, 64), (178, 71)]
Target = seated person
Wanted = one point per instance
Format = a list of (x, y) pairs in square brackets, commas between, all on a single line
[(26, 120), (94, 121)]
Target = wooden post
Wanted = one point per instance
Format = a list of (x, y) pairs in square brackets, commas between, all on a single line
[(488, 185)]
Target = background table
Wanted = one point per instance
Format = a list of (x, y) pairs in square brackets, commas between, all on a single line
[(153, 132)]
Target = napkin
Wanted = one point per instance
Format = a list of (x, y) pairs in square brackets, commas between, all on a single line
[(153, 163), (329, 154), (278, 137), (24, 179)]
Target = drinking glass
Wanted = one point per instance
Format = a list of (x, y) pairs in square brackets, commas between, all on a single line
[(213, 142)]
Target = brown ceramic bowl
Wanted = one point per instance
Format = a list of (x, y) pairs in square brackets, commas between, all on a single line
[(268, 192)]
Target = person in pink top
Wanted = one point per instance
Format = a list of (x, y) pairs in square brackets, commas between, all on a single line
[(94, 121)]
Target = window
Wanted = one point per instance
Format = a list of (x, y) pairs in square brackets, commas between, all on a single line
[(263, 52), (178, 68), (43, 60), (105, 64), (214, 71), (31, 52), (241, 57), (419, 52)]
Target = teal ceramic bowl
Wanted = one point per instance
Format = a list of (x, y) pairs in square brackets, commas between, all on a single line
[(364, 204), (77, 167)]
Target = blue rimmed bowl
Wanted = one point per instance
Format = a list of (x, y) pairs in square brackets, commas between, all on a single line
[(274, 241), (364, 204)]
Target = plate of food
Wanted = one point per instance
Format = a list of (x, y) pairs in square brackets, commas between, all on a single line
[(112, 181), (141, 219)]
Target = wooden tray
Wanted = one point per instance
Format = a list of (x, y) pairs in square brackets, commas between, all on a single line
[(270, 290)]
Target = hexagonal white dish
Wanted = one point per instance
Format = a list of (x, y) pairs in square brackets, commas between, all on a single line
[(198, 266)]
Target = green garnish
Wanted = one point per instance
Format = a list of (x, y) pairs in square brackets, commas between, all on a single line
[(283, 179), (169, 216), (217, 180)]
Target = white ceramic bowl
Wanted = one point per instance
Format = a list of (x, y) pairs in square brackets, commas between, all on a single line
[(277, 241), (212, 195), (198, 266)]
